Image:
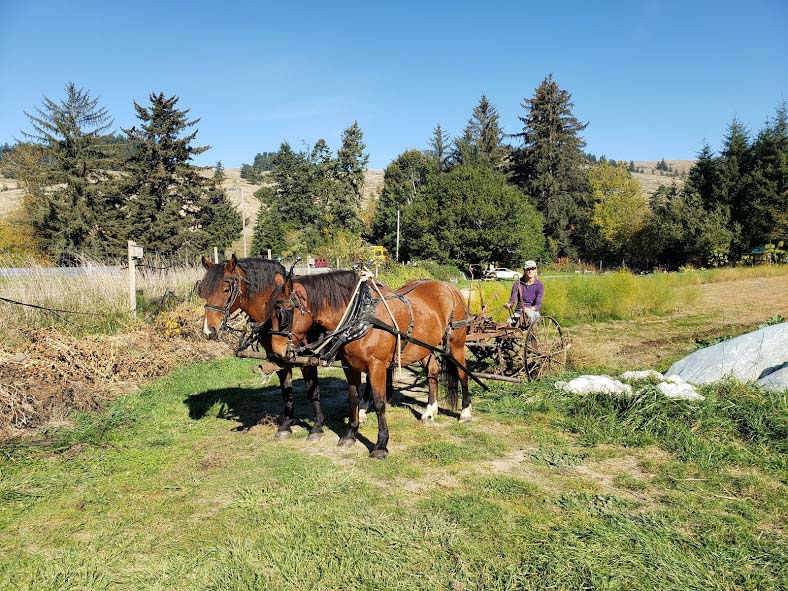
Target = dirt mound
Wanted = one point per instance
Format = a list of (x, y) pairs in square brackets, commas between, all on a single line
[(54, 373)]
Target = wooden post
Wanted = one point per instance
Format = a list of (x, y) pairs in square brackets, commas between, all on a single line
[(215, 255), (269, 254), (135, 252)]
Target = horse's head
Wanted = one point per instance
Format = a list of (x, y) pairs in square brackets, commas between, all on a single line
[(292, 318), (222, 288)]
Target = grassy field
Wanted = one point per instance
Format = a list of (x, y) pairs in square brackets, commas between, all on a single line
[(182, 486)]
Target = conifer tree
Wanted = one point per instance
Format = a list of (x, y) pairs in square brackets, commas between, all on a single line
[(480, 143), (218, 173), (403, 181), (549, 166), (170, 206), (441, 148), (71, 206), (352, 162)]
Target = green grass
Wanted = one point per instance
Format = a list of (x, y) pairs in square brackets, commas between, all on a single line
[(179, 487)]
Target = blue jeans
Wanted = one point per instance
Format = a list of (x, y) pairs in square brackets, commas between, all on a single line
[(532, 316)]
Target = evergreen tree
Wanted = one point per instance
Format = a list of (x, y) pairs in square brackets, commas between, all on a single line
[(471, 215), (218, 173), (550, 164), (441, 148), (403, 181), (705, 178), (352, 162), (170, 206), (764, 205), (480, 143), (71, 206)]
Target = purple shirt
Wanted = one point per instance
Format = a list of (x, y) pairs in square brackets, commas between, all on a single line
[(530, 295)]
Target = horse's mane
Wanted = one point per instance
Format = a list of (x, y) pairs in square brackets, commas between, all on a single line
[(332, 290), (260, 273)]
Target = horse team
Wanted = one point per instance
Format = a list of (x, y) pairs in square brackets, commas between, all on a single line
[(297, 311)]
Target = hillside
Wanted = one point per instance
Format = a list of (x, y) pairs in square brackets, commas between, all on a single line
[(651, 179), (239, 189)]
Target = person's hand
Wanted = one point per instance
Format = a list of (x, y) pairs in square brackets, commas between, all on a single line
[(507, 305)]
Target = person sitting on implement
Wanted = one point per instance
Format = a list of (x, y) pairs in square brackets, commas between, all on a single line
[(529, 291)]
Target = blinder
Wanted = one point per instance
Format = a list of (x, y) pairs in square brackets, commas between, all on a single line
[(235, 292)]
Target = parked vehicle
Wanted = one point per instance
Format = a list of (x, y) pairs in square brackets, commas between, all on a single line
[(502, 273)]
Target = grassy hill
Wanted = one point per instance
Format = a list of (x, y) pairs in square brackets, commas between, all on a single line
[(241, 192)]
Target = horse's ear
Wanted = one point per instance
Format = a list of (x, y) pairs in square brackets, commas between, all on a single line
[(287, 288), (279, 280), (232, 263), (207, 263)]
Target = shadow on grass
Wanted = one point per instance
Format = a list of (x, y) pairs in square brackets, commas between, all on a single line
[(254, 406)]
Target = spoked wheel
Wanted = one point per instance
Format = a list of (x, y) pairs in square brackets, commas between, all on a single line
[(545, 349)]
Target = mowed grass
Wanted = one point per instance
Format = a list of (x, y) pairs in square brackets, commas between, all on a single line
[(182, 486)]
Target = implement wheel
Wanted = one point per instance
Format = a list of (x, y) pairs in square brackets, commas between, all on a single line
[(545, 348)]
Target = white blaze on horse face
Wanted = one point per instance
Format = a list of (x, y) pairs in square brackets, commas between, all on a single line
[(430, 413), (465, 415), (205, 328)]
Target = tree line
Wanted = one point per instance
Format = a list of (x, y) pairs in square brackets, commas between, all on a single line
[(479, 198), (484, 195), (89, 191)]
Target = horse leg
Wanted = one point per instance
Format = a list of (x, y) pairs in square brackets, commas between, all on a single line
[(377, 379), (286, 380), (353, 377), (432, 369), (313, 391), (390, 393), (365, 404), (458, 352)]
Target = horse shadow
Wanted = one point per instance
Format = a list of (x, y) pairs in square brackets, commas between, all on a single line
[(252, 406)]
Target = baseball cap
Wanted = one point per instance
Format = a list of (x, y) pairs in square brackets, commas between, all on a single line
[(529, 264)]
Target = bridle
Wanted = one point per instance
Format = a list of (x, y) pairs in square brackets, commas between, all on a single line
[(285, 308), (235, 292)]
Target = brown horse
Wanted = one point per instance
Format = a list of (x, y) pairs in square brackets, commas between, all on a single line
[(248, 284), (423, 310)]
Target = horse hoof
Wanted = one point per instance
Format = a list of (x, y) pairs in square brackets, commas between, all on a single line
[(315, 436), (466, 419), (427, 421), (346, 442), (283, 434), (378, 454)]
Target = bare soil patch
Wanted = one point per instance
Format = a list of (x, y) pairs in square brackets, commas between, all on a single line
[(724, 309)]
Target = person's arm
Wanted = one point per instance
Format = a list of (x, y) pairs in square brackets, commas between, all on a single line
[(513, 298), (539, 296)]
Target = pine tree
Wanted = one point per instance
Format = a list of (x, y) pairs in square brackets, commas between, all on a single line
[(480, 143), (550, 165), (705, 178), (218, 173), (71, 206), (170, 206), (352, 162), (441, 148)]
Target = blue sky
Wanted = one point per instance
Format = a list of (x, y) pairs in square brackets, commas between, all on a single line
[(653, 79)]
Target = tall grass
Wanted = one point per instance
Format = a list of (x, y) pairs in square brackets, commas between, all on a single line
[(587, 298), (99, 295)]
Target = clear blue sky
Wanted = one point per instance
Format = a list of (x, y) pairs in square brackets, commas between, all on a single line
[(653, 79)]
